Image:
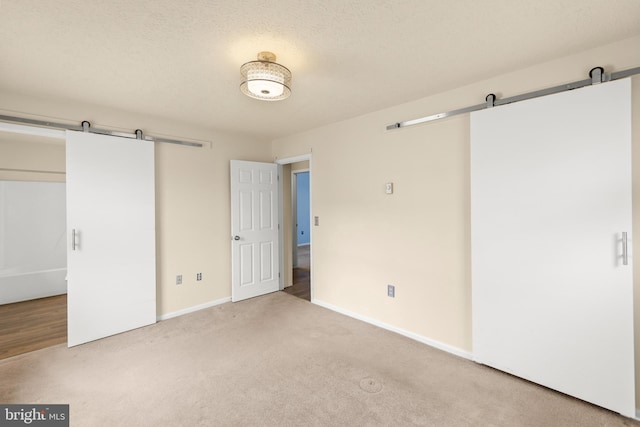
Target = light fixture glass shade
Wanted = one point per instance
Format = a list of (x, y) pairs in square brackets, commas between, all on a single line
[(265, 79)]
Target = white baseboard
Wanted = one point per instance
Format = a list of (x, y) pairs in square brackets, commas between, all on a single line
[(637, 414), (193, 309), (433, 343)]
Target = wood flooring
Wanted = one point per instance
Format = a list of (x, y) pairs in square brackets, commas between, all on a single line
[(32, 325), (301, 287), (301, 284)]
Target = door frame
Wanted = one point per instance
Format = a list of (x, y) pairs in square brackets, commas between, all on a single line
[(280, 163)]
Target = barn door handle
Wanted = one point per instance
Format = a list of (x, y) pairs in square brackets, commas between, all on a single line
[(625, 249), (73, 239)]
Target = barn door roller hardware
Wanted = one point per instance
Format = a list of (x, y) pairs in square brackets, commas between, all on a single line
[(138, 134), (85, 126), (596, 76)]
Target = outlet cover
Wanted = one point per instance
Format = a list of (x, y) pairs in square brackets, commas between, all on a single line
[(198, 277)]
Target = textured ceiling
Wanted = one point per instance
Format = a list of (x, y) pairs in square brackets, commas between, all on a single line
[(180, 59)]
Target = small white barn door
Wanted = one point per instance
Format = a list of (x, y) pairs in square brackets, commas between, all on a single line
[(254, 229), (111, 229), (550, 198)]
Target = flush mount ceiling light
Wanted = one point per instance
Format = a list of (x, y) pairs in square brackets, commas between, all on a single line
[(265, 79)]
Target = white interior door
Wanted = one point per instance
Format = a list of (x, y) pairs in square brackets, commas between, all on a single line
[(111, 213), (254, 229), (551, 196)]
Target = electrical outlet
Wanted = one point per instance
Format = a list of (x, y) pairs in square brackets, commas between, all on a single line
[(179, 279), (198, 277), (391, 291)]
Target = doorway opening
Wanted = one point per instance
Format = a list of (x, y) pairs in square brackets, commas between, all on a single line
[(296, 236), (33, 300)]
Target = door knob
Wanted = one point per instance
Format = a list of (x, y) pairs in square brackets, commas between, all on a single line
[(236, 237)]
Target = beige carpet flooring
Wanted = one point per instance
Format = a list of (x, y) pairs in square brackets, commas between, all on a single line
[(277, 360)]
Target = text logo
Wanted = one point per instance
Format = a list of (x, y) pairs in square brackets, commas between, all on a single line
[(34, 415)]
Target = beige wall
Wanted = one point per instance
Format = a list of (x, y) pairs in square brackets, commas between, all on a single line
[(193, 220), (192, 191), (415, 239), (418, 238), (300, 166)]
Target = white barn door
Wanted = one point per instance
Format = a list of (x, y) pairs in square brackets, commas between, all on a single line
[(550, 200), (111, 227), (254, 229)]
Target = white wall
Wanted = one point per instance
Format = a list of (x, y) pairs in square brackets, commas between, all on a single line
[(33, 257)]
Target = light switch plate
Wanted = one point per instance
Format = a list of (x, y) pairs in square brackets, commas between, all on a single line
[(388, 188)]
